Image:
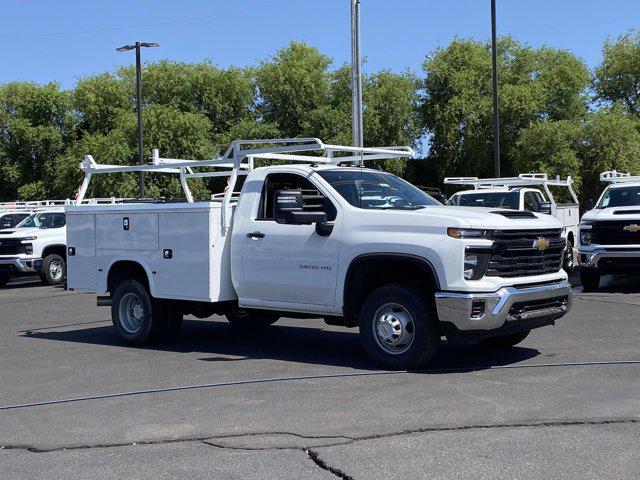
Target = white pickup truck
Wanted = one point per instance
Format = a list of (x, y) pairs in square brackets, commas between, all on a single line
[(36, 245), (519, 193), (315, 238), (610, 232)]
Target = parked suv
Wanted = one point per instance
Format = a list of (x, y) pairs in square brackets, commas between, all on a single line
[(37, 245)]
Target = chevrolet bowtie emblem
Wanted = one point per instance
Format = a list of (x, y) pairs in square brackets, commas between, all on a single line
[(632, 228), (541, 243)]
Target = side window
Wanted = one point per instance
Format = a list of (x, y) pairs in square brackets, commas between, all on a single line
[(59, 220), (531, 203), (6, 221), (313, 199), (20, 217)]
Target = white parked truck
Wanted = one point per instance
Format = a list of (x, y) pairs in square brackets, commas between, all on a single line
[(520, 193), (319, 236), (36, 245), (610, 232)]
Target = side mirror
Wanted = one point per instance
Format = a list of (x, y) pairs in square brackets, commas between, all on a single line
[(544, 207), (590, 204), (287, 209)]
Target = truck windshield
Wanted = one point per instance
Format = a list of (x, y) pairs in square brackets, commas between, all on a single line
[(376, 190), (43, 220), (487, 199), (620, 197)]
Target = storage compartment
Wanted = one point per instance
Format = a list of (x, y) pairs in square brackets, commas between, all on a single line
[(81, 260), (127, 231)]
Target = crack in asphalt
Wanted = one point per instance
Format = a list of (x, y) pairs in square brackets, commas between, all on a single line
[(348, 440), (471, 368), (315, 458)]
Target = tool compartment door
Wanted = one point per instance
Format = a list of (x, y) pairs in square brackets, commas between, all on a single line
[(81, 263)]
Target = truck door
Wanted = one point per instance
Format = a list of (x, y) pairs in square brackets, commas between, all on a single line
[(291, 263)]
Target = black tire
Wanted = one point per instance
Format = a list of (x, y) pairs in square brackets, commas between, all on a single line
[(140, 319), (246, 319), (53, 270), (505, 341), (395, 302), (4, 281), (590, 278), (568, 261)]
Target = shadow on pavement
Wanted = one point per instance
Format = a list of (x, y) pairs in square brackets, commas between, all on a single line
[(220, 342)]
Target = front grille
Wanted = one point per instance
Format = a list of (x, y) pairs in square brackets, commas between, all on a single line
[(532, 308), (614, 233), (515, 253), (12, 246)]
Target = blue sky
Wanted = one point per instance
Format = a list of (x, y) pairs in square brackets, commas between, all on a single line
[(46, 41)]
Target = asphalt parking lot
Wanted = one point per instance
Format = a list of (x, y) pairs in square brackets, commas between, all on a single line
[(300, 400)]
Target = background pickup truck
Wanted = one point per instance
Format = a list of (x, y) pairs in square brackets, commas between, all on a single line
[(610, 232), (311, 238), (520, 193)]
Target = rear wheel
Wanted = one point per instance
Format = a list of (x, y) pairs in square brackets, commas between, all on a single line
[(590, 278), (250, 319), (398, 328), (54, 269), (138, 318), (505, 341)]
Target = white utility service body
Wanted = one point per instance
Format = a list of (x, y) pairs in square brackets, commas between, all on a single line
[(610, 232), (241, 252), (525, 198)]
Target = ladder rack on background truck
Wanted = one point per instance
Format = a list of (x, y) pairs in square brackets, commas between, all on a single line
[(238, 160), (613, 176), (522, 180)]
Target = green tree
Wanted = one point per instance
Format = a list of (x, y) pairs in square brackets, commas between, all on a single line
[(617, 78)]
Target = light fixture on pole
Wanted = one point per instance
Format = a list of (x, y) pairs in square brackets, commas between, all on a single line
[(356, 76), (137, 47), (496, 115)]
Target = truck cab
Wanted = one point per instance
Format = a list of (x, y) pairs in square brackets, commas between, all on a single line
[(319, 236), (610, 232), (520, 193)]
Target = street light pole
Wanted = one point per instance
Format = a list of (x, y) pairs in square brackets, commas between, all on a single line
[(356, 76), (137, 46), (496, 115)]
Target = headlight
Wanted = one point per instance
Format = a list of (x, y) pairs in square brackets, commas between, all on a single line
[(475, 264), (24, 239), (467, 233), (585, 237)]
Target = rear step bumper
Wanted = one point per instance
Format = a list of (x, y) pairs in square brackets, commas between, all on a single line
[(505, 309), (103, 301)]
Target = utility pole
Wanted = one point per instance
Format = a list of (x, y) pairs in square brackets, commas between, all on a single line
[(496, 115), (137, 46), (356, 76)]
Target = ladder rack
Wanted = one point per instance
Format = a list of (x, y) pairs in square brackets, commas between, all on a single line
[(239, 158), (613, 176), (522, 180)]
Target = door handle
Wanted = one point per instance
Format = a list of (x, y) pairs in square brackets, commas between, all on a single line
[(255, 235)]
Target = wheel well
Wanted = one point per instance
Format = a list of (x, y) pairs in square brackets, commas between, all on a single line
[(369, 272), (124, 270), (55, 249)]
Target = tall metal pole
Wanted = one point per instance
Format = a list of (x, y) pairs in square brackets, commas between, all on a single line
[(139, 111), (496, 115), (356, 76)]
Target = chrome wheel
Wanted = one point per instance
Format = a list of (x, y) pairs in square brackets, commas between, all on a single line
[(56, 270), (131, 313), (394, 328)]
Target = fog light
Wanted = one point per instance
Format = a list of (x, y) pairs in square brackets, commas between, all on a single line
[(477, 309), (585, 237)]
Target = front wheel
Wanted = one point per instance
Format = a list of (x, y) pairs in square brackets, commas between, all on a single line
[(54, 270), (398, 328), (250, 319), (569, 255), (590, 278), (505, 341)]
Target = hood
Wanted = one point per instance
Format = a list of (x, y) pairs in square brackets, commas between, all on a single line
[(487, 218), (21, 232), (613, 213)]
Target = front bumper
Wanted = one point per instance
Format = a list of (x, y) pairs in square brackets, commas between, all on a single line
[(590, 258), (17, 265), (508, 309)]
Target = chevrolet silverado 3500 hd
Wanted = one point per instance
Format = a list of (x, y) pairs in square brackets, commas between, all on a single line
[(610, 233), (315, 238)]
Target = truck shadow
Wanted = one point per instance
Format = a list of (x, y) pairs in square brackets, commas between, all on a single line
[(219, 342)]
